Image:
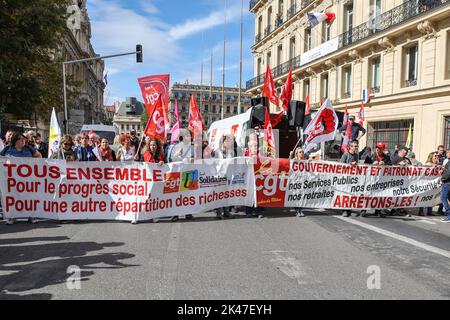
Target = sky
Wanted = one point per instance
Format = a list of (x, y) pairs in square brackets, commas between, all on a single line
[(176, 35)]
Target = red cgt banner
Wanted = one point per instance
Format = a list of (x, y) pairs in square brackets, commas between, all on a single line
[(152, 87)]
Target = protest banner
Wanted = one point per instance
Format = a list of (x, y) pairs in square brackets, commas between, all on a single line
[(332, 185), (54, 189)]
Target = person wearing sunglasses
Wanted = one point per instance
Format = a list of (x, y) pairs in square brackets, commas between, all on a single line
[(66, 151)]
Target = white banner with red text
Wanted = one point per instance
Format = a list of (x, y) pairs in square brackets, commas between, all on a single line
[(333, 185), (59, 190)]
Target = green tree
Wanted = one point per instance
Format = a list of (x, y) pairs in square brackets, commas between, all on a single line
[(31, 38)]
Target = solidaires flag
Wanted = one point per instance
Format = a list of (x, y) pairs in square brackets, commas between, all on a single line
[(55, 135)]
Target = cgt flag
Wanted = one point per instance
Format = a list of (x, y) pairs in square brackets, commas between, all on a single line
[(151, 88), (286, 95), (323, 127), (155, 128), (269, 88), (176, 127), (195, 119)]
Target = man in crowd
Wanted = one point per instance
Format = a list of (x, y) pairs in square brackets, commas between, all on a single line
[(40, 146), (441, 154), (399, 158), (357, 130), (445, 193), (351, 156)]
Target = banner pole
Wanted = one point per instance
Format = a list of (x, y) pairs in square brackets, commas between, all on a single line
[(139, 148)]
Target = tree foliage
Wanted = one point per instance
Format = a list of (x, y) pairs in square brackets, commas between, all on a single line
[(31, 40)]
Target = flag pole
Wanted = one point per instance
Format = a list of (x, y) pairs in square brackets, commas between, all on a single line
[(240, 59), (223, 62)]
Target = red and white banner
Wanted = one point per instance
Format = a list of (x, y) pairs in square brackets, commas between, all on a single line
[(333, 185), (59, 190), (152, 87)]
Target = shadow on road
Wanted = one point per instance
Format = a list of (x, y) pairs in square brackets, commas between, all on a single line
[(30, 267)]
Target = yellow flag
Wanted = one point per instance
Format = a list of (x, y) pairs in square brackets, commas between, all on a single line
[(408, 143)]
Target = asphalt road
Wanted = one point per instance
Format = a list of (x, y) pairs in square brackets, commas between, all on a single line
[(321, 256)]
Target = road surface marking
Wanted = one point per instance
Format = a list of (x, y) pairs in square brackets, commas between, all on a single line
[(426, 221), (170, 265), (413, 242)]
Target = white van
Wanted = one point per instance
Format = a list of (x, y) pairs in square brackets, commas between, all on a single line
[(103, 131)]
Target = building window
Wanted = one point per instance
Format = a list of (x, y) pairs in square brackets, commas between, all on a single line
[(375, 15), (347, 80), (447, 76), (411, 65), (228, 109), (306, 89), (375, 74), (326, 32), (242, 109), (258, 67), (307, 40), (122, 127), (392, 133), (269, 58), (447, 133), (214, 109), (324, 86), (235, 110), (348, 23), (279, 55), (214, 96), (206, 108), (128, 127), (292, 48)]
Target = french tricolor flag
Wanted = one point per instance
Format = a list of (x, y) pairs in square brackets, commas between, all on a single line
[(317, 17), (366, 95)]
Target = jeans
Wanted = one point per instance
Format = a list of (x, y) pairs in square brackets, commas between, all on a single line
[(444, 197)]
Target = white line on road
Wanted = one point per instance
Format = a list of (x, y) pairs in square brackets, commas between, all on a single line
[(170, 265), (426, 221), (413, 242)]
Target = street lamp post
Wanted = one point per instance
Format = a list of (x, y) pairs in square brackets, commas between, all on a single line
[(138, 54)]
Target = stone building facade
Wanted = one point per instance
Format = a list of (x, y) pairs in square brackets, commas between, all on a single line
[(399, 50)]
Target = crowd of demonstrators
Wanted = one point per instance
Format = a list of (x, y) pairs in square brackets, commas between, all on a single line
[(128, 148)]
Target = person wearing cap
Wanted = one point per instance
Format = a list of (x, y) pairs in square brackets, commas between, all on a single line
[(380, 157), (399, 158), (357, 130)]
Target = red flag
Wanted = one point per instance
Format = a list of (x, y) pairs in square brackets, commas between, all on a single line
[(269, 88), (308, 106), (269, 141), (156, 125), (195, 118), (286, 94), (151, 88), (347, 138), (276, 119), (361, 114), (345, 115)]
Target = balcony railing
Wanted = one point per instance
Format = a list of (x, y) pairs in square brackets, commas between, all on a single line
[(411, 83), (278, 22), (267, 30), (291, 11), (253, 3), (375, 89), (257, 38), (385, 21), (347, 95), (306, 3)]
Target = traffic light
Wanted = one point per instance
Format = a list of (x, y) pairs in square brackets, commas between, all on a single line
[(139, 53)]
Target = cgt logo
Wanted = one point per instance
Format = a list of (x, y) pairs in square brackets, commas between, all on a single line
[(189, 180), (172, 182)]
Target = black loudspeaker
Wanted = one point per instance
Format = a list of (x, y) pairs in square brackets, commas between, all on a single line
[(258, 115), (296, 114)]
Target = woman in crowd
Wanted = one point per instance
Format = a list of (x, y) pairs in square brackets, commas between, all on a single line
[(226, 151), (116, 144), (105, 152), (432, 161), (19, 148), (298, 155), (84, 151), (65, 151), (153, 153), (125, 152)]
